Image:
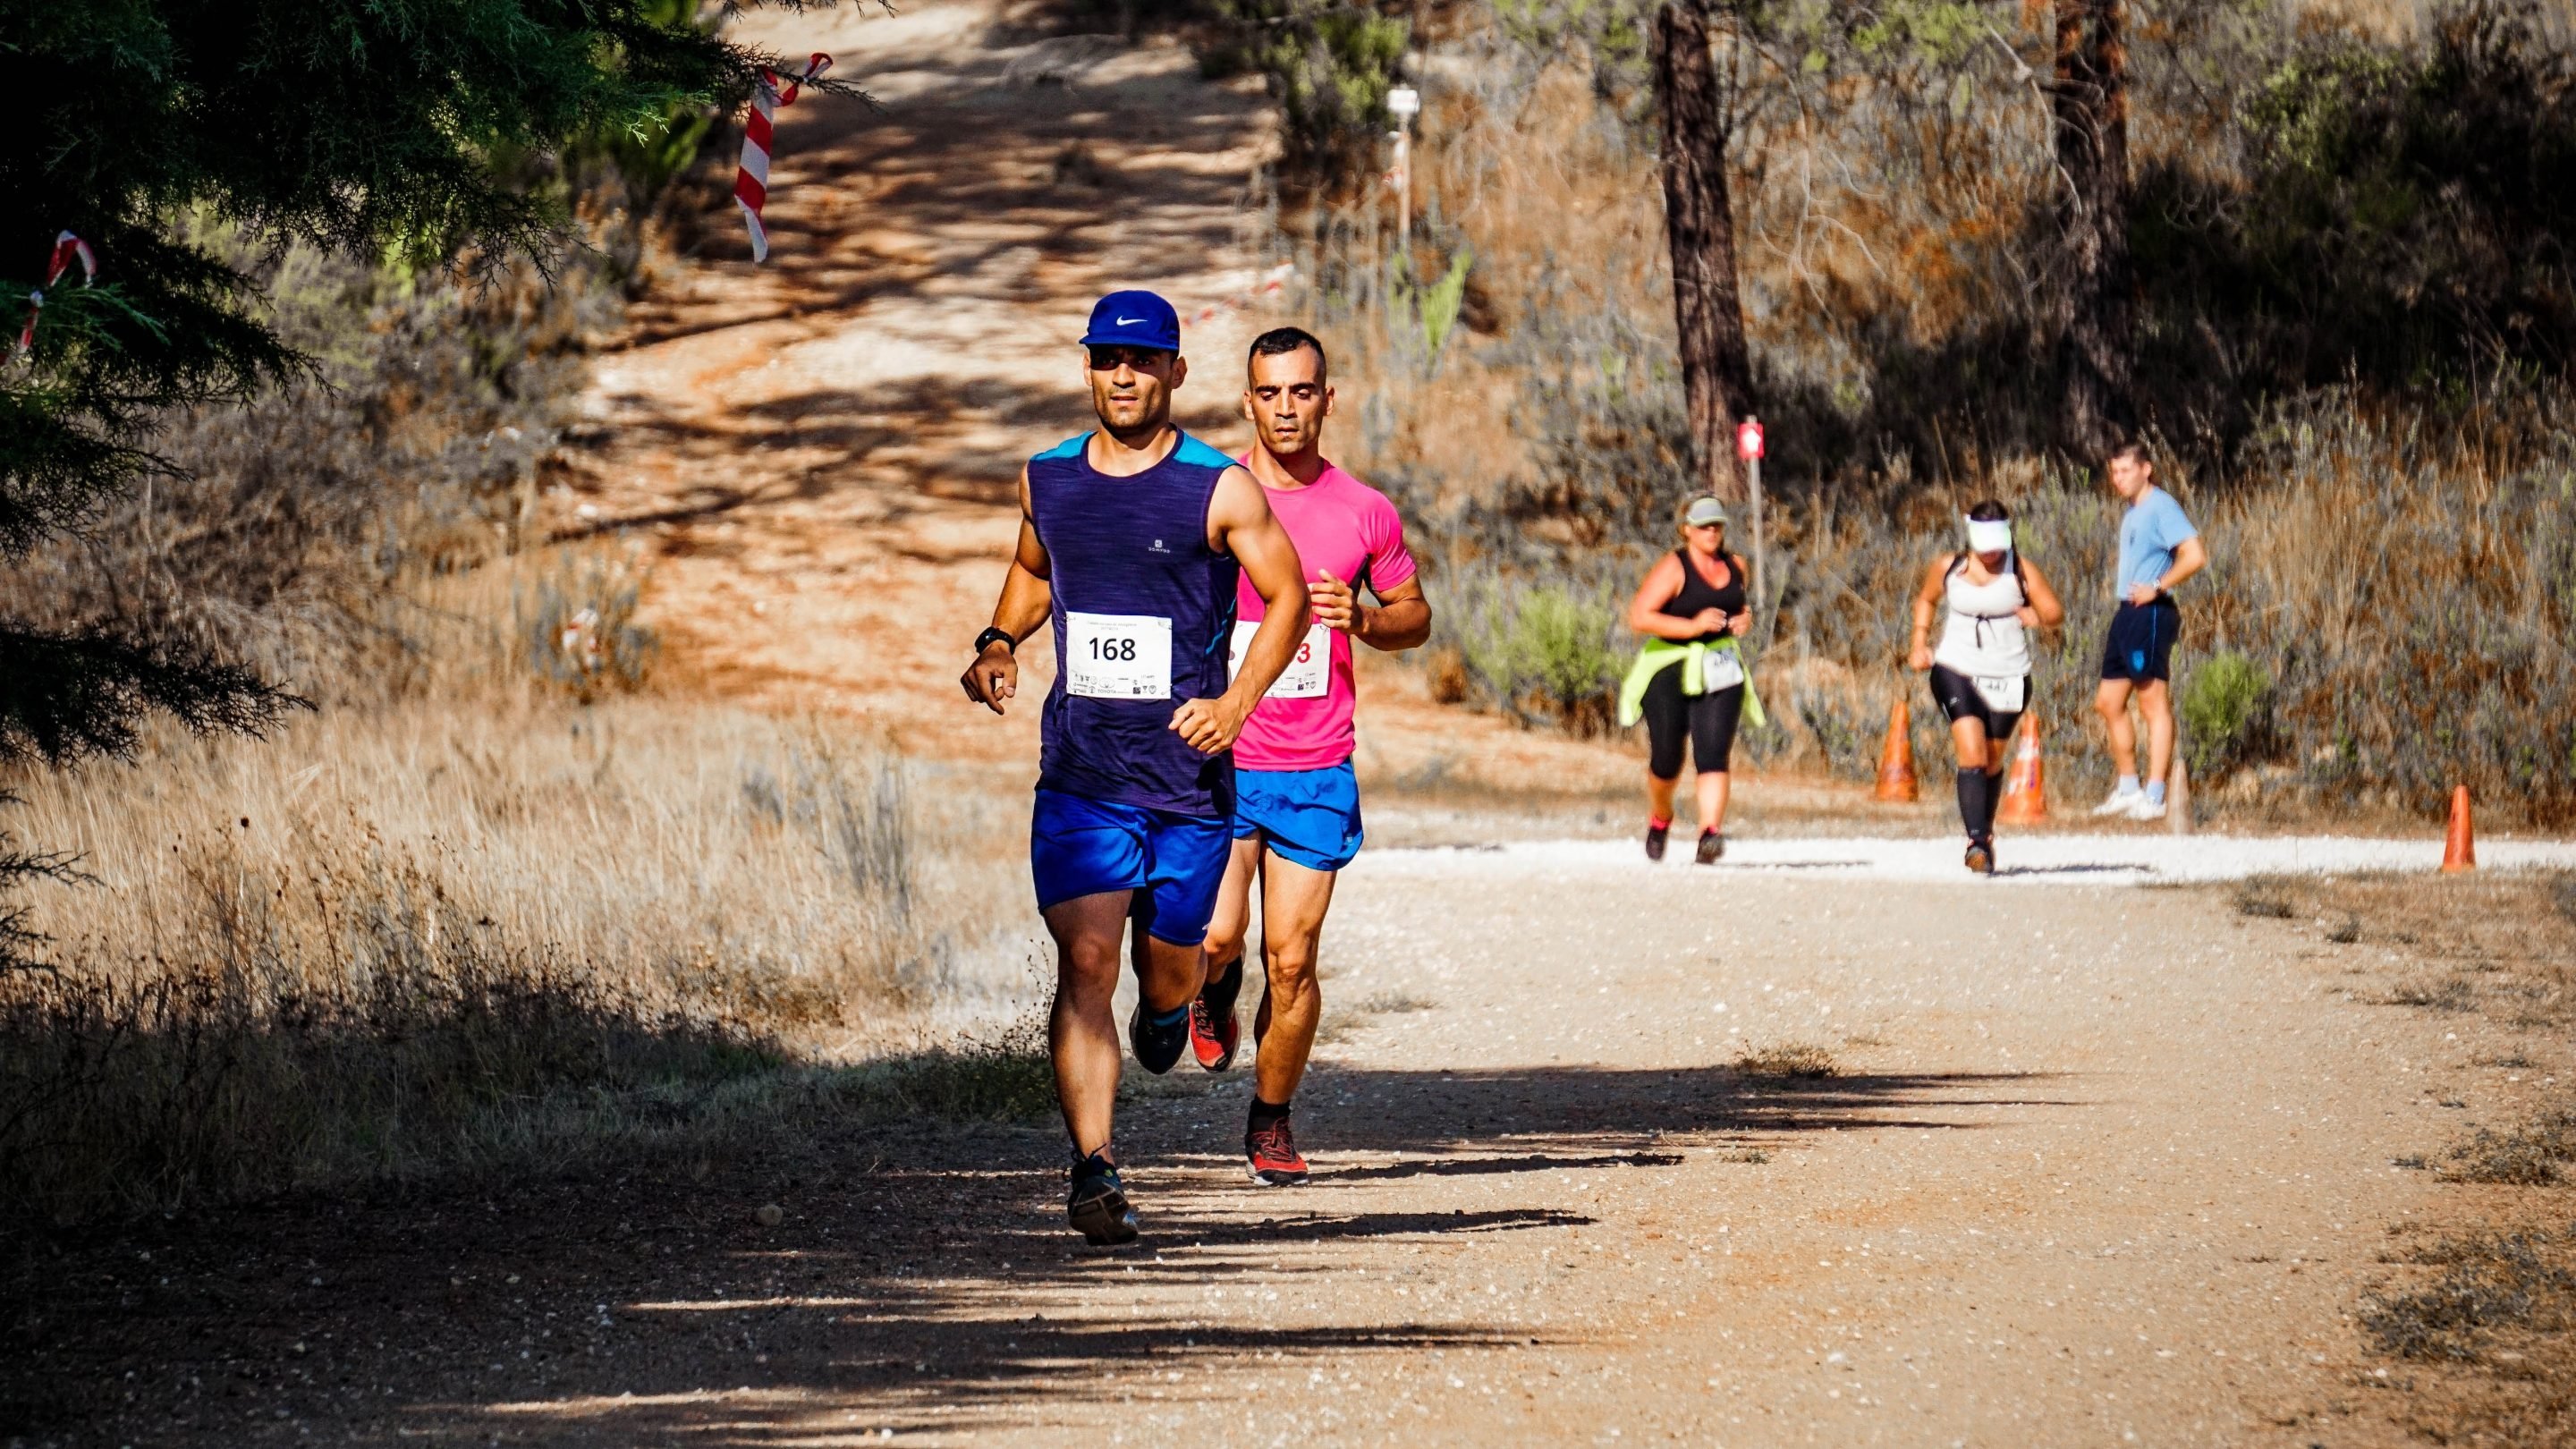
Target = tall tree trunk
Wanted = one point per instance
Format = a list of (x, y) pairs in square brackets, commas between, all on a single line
[(2092, 100), (1699, 228)]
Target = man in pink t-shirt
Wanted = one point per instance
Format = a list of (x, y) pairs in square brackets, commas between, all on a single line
[(1297, 801)]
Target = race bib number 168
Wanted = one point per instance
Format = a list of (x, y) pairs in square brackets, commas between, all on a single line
[(1118, 656)]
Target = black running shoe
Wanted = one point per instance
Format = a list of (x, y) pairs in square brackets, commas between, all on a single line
[(1981, 857), (1655, 836), (1159, 1042), (1711, 846), (1097, 1205)]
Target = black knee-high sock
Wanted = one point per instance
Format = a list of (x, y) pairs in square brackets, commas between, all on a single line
[(1976, 805), (1994, 800)]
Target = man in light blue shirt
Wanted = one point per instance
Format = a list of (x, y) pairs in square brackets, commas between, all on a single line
[(2158, 550)]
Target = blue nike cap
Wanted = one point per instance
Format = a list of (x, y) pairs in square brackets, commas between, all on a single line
[(1134, 319)]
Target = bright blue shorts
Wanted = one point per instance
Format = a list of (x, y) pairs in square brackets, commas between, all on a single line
[(1309, 817), (1174, 863)]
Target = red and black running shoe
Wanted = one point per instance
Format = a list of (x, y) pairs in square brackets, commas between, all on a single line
[(1656, 834), (1215, 1031), (1273, 1150)]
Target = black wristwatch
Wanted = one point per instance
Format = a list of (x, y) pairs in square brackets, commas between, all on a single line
[(995, 636)]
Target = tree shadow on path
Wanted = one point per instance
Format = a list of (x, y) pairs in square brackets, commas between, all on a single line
[(921, 1280)]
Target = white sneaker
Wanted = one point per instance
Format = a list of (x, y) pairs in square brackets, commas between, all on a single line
[(2145, 807), (2122, 802)]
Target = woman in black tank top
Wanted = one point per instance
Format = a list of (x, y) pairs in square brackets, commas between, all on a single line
[(1693, 596), (1698, 595)]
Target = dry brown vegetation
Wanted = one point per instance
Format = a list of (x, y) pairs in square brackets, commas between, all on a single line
[(2372, 520), (2477, 1308), (484, 907), (484, 934), (1788, 1061)]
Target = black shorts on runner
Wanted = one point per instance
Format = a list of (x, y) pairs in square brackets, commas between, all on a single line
[(1708, 720), (2140, 645), (1957, 695)]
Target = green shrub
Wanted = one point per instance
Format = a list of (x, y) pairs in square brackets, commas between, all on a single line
[(1329, 64), (2226, 712), (1545, 644)]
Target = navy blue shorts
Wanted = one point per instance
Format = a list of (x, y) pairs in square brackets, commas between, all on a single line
[(1174, 863), (2139, 648), (1308, 817)]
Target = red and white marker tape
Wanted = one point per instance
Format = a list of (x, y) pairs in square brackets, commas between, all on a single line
[(66, 247), (751, 178), (1271, 284)]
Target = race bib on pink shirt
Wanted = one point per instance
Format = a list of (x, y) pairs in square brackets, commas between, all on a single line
[(1343, 527)]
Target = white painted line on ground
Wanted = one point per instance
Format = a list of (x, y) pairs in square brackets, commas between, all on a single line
[(2026, 860)]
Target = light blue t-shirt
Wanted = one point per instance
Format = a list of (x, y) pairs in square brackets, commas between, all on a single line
[(2149, 533)]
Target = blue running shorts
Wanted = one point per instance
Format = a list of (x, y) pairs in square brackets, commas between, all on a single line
[(1174, 863), (1310, 817), (2140, 645)]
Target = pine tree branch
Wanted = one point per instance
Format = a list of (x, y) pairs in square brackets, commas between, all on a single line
[(66, 697)]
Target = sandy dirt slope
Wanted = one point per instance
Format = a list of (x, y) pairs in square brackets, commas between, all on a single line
[(2097, 1166), (816, 457), (820, 452)]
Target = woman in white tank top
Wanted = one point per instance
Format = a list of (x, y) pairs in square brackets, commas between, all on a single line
[(1989, 598)]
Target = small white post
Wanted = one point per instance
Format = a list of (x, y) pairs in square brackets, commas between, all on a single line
[(1404, 103), (1757, 530)]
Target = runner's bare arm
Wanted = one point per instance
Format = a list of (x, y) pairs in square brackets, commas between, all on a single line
[(1026, 595), (1742, 622), (1240, 523), (2043, 611), (1926, 600), (1646, 611), (2190, 557), (1401, 620)]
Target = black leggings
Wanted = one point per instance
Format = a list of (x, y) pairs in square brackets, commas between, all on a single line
[(1957, 695), (1708, 720), (1980, 790)]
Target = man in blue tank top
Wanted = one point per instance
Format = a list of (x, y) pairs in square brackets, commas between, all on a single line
[(1131, 538)]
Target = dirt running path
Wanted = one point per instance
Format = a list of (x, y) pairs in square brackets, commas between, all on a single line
[(2096, 1166), (815, 458)]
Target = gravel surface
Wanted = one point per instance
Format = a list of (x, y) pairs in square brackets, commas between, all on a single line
[(2023, 860), (2094, 1166)]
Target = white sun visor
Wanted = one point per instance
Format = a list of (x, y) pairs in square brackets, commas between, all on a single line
[(1989, 535)]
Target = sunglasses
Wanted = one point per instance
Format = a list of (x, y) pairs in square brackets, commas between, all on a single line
[(1142, 359)]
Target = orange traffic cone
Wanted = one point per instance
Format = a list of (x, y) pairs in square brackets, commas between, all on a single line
[(2025, 797), (1896, 759), (2460, 851)]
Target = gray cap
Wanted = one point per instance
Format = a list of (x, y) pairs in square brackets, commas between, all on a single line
[(1704, 510)]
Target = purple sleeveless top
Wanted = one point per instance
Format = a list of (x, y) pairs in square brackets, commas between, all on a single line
[(1136, 545)]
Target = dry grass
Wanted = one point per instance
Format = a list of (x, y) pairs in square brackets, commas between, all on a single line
[(2489, 1282), (2526, 1156), (2487, 1315), (2495, 1332), (491, 934), (1793, 1061), (1897, 266)]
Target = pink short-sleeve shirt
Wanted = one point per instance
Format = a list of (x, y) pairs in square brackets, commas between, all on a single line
[(1342, 526)]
